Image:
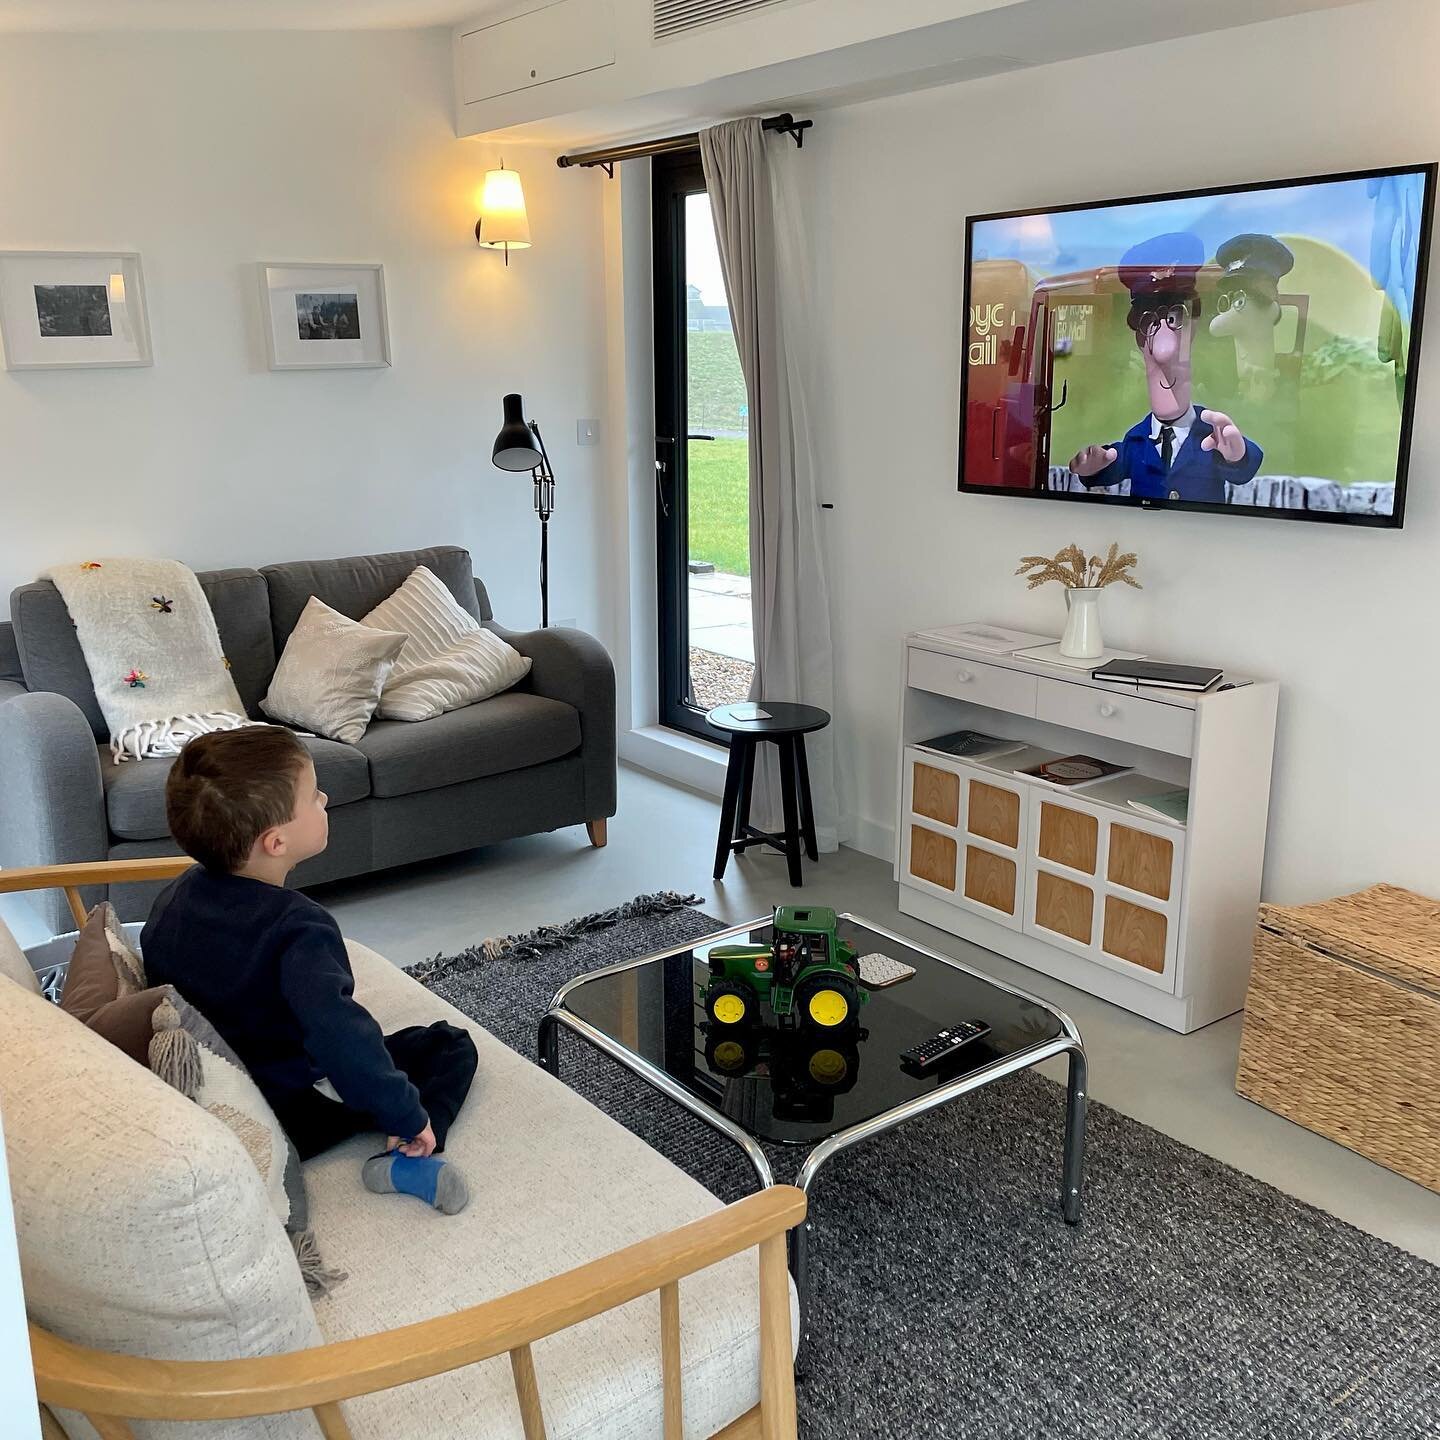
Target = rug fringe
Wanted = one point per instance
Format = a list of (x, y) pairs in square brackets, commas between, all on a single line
[(534, 943)]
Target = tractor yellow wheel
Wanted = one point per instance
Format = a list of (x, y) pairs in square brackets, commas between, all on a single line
[(730, 1055), (828, 1008), (729, 1009), (828, 1067)]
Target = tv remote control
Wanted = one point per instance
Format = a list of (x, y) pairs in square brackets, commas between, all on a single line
[(929, 1053)]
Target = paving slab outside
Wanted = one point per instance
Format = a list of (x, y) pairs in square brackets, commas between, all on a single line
[(722, 643)]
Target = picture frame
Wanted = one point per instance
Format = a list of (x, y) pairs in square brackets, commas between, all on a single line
[(73, 309), (321, 316)]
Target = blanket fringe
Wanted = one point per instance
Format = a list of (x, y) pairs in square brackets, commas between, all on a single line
[(152, 739), (550, 937)]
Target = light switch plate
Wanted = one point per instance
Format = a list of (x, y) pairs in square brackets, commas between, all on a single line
[(587, 432)]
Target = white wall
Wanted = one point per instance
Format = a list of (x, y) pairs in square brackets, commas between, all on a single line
[(1345, 619), (208, 153)]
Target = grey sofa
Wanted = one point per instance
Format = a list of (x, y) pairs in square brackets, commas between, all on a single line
[(537, 757)]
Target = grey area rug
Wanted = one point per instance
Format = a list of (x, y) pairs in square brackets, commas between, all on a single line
[(952, 1301)]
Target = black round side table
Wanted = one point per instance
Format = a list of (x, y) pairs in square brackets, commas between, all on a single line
[(786, 727)]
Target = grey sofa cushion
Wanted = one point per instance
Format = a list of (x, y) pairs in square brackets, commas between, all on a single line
[(357, 584), (51, 657), (135, 791), (9, 655), (505, 733), (240, 601)]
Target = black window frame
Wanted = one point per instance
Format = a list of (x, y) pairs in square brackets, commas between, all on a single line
[(673, 177)]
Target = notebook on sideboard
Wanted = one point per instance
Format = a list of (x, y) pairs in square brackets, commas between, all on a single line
[(1152, 672)]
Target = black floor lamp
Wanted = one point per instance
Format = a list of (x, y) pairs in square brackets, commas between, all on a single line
[(518, 447)]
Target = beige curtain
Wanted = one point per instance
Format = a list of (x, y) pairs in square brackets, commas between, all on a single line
[(763, 260)]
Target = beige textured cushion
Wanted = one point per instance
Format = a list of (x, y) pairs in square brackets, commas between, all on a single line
[(188, 1053), (13, 964), (448, 661), (554, 1182), (332, 672), (143, 1225)]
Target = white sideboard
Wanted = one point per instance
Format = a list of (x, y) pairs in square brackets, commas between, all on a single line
[(1154, 916)]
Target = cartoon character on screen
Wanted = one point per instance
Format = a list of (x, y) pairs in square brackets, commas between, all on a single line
[(1248, 307), (1180, 450)]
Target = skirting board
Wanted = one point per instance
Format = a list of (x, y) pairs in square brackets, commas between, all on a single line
[(1171, 1011)]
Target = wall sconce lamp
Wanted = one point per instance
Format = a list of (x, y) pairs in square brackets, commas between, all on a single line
[(503, 224)]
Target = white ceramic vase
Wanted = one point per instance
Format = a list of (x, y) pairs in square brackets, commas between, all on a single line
[(1081, 640)]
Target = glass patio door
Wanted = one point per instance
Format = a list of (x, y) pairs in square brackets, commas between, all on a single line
[(707, 653)]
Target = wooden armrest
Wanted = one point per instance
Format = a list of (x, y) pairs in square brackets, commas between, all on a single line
[(97, 872), (101, 1383), (70, 878)]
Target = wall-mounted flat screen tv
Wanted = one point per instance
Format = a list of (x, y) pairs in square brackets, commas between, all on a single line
[(1245, 351)]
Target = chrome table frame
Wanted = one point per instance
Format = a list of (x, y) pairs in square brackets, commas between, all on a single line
[(1067, 1043)]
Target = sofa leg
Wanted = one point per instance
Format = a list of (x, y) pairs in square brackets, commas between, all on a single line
[(599, 833)]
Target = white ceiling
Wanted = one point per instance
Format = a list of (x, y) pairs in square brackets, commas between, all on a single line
[(106, 15)]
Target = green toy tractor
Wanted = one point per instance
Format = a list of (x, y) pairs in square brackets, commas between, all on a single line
[(807, 973)]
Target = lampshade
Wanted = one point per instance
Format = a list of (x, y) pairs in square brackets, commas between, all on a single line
[(515, 446), (503, 224)]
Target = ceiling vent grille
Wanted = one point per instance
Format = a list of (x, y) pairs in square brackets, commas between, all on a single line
[(675, 17)]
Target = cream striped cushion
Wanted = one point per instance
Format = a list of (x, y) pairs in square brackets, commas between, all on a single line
[(448, 661)]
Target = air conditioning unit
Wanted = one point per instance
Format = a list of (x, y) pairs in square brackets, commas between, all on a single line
[(679, 17)]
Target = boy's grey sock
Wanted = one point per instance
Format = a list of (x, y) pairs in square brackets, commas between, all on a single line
[(430, 1178)]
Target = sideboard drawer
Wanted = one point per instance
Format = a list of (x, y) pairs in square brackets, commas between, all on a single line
[(987, 685), (1150, 723)]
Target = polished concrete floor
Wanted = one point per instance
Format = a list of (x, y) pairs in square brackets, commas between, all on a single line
[(664, 839)]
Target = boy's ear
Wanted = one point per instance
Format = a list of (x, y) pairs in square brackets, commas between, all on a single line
[(271, 842)]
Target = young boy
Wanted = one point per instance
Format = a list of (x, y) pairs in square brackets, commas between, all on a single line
[(267, 967)]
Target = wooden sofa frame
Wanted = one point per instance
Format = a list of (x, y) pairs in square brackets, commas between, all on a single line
[(112, 1389)]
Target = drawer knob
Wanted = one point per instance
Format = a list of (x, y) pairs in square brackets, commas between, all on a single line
[(965, 675), (1107, 709)]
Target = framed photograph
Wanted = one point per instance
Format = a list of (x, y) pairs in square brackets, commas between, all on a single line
[(325, 317), (71, 308)]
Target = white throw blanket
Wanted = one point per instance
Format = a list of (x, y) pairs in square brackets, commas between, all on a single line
[(154, 654)]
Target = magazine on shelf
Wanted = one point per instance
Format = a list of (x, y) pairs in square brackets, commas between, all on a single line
[(970, 745), (1073, 772), (1171, 805), (979, 635)]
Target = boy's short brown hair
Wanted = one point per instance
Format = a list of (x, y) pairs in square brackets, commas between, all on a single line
[(226, 789)]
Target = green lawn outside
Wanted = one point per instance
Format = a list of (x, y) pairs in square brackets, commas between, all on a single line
[(720, 504), (716, 383)]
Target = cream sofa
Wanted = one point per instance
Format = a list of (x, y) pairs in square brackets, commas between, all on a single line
[(144, 1231)]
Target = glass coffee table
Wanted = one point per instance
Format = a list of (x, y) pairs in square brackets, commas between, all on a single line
[(818, 1090)]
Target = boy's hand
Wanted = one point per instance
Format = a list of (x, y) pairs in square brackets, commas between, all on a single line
[(423, 1144)]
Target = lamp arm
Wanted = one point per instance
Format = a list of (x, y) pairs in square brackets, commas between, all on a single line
[(544, 477)]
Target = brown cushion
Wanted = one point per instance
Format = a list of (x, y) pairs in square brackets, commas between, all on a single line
[(102, 986), (129, 1022)]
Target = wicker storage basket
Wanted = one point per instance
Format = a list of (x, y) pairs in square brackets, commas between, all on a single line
[(1342, 1024)]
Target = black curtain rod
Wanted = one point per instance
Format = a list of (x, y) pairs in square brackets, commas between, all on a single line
[(608, 159)]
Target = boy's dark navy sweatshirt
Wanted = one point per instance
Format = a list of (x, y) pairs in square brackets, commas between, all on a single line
[(267, 968)]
